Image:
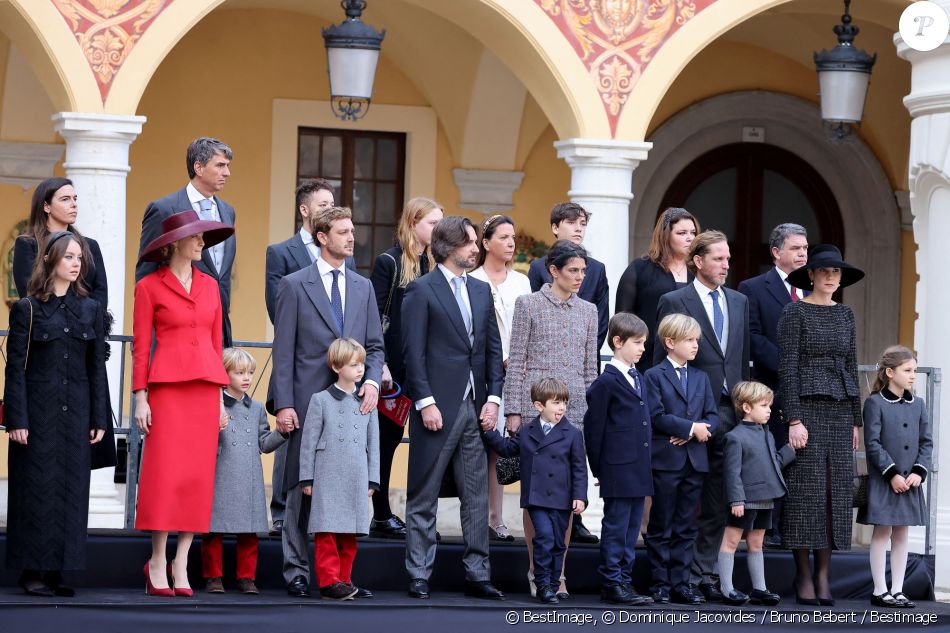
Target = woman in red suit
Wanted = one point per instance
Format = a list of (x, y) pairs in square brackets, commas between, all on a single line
[(178, 402)]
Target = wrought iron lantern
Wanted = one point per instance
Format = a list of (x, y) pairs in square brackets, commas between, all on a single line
[(352, 52)]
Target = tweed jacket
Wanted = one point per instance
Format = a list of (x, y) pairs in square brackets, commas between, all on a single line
[(594, 289), (752, 468), (550, 337), (339, 457), (239, 504)]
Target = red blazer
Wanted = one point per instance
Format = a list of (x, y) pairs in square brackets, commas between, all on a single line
[(187, 330)]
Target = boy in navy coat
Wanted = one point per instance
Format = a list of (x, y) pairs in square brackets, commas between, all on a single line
[(617, 434), (684, 414), (553, 478)]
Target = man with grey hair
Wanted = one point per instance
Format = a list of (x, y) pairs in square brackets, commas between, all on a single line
[(768, 295), (208, 161)]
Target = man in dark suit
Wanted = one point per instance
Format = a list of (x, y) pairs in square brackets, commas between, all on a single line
[(768, 295), (453, 355), (724, 352), (296, 253), (316, 306), (569, 222), (209, 167)]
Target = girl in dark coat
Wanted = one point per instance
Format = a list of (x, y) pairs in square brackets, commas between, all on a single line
[(54, 208), (56, 407)]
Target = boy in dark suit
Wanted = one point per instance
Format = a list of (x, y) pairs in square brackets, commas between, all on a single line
[(617, 434), (553, 478), (684, 414), (752, 477)]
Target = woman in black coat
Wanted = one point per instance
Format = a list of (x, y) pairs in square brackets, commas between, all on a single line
[(662, 270), (392, 272), (56, 407), (54, 208)]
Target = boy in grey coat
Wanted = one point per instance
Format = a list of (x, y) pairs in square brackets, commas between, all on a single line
[(752, 480), (339, 469), (239, 506)]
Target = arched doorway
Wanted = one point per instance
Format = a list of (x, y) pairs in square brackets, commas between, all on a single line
[(745, 190)]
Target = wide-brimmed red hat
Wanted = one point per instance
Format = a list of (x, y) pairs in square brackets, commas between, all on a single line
[(184, 224)]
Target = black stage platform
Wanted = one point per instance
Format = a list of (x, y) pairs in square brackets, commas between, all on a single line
[(111, 597)]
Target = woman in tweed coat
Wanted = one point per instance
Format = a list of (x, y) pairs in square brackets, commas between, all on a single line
[(822, 405), (553, 334)]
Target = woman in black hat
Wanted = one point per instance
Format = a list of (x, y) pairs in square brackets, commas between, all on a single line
[(178, 399), (822, 406)]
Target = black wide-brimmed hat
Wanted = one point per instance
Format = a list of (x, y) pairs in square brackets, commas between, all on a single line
[(825, 256), (184, 224)]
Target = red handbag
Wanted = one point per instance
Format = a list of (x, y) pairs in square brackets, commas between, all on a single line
[(394, 406)]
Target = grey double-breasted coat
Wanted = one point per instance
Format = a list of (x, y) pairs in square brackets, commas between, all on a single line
[(339, 457), (240, 505)]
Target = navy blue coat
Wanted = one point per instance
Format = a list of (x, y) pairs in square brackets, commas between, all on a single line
[(767, 298), (553, 467), (674, 412), (594, 289), (617, 433)]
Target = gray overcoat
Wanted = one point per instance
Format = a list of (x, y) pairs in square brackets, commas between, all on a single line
[(339, 457), (752, 468), (240, 506), (897, 441)]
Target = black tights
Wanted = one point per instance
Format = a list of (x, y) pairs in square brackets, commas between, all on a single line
[(816, 585), (390, 435)]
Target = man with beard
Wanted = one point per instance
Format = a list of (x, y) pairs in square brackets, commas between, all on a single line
[(453, 357), (316, 306)]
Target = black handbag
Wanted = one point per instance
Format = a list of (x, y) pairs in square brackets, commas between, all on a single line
[(860, 490), (508, 470)]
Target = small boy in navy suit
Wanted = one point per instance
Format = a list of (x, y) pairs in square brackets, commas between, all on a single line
[(617, 434), (684, 414), (553, 478)]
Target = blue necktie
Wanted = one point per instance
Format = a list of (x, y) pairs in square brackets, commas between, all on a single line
[(682, 372), (718, 318), (636, 379), (205, 212), (546, 427), (336, 301), (466, 317)]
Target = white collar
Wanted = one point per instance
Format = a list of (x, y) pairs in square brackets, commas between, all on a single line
[(619, 364), (324, 267), (702, 290), (194, 195), (449, 275), (781, 274), (673, 363), (306, 236)]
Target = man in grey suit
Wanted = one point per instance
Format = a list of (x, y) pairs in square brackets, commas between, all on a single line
[(316, 306), (453, 355), (724, 350), (209, 167), (298, 252)]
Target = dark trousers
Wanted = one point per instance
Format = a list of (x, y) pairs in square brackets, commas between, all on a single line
[(550, 526), (278, 498), (672, 529), (211, 563), (618, 539), (390, 435), (712, 515)]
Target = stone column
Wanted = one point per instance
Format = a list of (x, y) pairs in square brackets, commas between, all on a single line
[(601, 175), (97, 161), (929, 184)]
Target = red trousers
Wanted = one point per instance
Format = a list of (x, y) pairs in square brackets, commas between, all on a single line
[(333, 557), (211, 566)]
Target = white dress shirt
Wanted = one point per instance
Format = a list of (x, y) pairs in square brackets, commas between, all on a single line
[(784, 277), (706, 298), (195, 197), (624, 368), (449, 277), (312, 248)]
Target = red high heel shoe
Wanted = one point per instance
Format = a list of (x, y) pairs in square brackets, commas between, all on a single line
[(150, 590), (185, 593)]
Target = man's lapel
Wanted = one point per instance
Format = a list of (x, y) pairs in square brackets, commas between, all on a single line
[(298, 250), (446, 297), (776, 288), (313, 286), (696, 309)]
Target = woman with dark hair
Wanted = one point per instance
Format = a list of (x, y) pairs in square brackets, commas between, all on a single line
[(179, 402), (663, 269), (553, 334), (56, 407), (393, 270), (821, 400), (496, 251)]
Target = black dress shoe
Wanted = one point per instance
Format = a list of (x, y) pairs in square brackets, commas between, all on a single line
[(710, 591), (661, 595), (735, 597), (483, 589), (298, 587), (903, 602), (826, 602), (36, 588), (773, 542), (615, 594), (580, 533), (276, 528), (393, 527), (811, 602), (361, 592), (419, 588), (547, 595), (686, 595), (764, 596), (54, 580)]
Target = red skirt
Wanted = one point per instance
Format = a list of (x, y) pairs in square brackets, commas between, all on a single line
[(176, 483)]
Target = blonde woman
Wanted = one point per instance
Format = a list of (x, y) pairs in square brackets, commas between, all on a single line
[(496, 251), (392, 272)]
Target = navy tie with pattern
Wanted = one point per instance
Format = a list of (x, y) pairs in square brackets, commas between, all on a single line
[(718, 317), (336, 301), (636, 379), (546, 427), (682, 372)]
